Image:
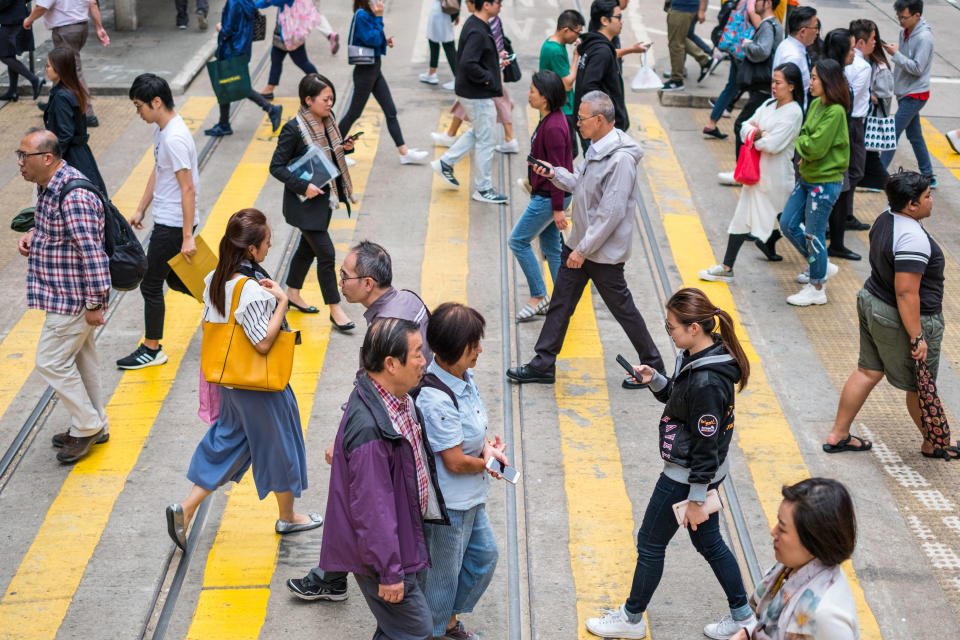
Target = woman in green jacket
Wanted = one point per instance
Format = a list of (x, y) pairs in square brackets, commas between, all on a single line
[(824, 149)]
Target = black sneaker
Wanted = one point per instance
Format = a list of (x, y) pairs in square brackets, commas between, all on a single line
[(672, 85), (275, 113), (445, 171), (92, 122), (142, 357), (307, 589), (704, 72), (491, 196)]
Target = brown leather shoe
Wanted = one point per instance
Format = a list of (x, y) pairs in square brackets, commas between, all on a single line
[(59, 438), (75, 448)]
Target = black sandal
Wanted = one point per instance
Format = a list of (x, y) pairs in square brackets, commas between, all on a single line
[(944, 454), (844, 445)]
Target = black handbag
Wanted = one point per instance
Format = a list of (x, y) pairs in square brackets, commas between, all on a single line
[(259, 27), (355, 53), (511, 72)]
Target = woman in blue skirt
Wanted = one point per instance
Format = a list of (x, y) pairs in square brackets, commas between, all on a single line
[(258, 427)]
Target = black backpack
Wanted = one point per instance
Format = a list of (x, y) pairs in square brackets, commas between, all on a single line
[(431, 380), (726, 9), (128, 262)]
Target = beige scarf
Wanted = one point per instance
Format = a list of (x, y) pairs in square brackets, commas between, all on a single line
[(326, 136)]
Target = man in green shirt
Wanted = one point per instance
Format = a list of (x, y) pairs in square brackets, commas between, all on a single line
[(553, 56)]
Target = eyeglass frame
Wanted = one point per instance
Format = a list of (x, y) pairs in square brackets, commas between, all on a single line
[(344, 277), (23, 155), (593, 115)]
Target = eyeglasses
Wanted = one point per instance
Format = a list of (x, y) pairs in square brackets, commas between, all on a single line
[(344, 277), (669, 327), (577, 31), (582, 118), (618, 16), (903, 17), (23, 155)]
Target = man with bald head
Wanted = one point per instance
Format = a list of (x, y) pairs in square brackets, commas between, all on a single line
[(68, 277)]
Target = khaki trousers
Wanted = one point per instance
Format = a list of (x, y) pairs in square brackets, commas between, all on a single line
[(67, 361), (678, 25)]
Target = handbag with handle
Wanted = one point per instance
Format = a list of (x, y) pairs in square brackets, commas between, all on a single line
[(880, 131), (357, 54), (748, 162), (297, 21), (450, 7), (511, 72), (259, 27), (936, 429), (228, 358), (230, 78)]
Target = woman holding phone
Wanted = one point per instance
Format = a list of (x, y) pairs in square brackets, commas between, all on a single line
[(695, 433), (307, 206)]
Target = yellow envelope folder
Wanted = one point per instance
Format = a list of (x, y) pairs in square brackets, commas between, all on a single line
[(202, 263)]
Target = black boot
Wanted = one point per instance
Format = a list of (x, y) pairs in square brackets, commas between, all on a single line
[(769, 248)]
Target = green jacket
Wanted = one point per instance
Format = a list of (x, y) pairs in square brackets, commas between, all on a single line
[(824, 144)]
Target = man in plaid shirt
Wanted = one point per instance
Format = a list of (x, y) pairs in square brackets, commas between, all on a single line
[(68, 276)]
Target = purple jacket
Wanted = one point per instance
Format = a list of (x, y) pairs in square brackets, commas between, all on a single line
[(373, 524), (551, 142)]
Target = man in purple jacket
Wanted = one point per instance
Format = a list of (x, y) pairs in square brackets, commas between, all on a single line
[(383, 484)]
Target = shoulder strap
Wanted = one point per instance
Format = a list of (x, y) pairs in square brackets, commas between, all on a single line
[(432, 381), (80, 183), (237, 290), (417, 296)]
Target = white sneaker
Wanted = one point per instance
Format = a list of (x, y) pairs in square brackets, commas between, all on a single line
[(953, 137), (524, 184), (509, 147), (832, 269), (726, 627), (442, 139), (449, 85), (616, 625), (717, 273), (809, 295), (414, 156), (429, 78), (350, 161), (726, 177)]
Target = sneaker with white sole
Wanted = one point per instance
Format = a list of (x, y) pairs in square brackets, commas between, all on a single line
[(414, 156), (445, 171), (953, 137), (508, 147), (142, 358), (449, 86), (804, 278), (350, 161), (726, 177), (809, 295), (429, 78), (524, 184), (442, 139), (491, 196), (615, 624), (726, 627), (717, 273)]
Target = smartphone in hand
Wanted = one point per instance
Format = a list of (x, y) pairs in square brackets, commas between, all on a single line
[(629, 369), (354, 136), (508, 473), (538, 163)]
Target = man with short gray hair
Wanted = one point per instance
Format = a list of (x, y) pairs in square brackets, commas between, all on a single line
[(604, 191)]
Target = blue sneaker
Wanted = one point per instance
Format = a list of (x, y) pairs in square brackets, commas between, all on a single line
[(275, 113), (219, 130)]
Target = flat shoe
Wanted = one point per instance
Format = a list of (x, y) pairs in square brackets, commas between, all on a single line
[(283, 527), (343, 328), (175, 526), (310, 309)]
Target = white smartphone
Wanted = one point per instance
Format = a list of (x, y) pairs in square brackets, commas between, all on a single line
[(508, 473)]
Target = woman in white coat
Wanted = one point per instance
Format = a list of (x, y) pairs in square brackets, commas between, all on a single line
[(775, 125), (440, 33)]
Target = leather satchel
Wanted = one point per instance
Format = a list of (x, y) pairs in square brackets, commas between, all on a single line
[(450, 7), (357, 54), (228, 358)]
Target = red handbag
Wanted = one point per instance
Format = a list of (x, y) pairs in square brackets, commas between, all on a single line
[(748, 162)]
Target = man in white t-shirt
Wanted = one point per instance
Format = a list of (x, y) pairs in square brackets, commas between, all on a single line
[(67, 21), (172, 189)]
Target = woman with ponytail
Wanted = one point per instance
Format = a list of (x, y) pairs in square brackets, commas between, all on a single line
[(695, 433), (259, 427)]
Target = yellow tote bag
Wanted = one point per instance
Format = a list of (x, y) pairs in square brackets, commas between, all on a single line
[(228, 357)]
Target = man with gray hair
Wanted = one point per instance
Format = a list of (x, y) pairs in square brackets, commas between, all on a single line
[(604, 191)]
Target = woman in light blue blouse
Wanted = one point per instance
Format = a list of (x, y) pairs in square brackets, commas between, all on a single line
[(456, 426)]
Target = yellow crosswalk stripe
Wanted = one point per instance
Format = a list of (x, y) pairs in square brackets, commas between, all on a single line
[(37, 598), (20, 344), (236, 582), (768, 445), (937, 145)]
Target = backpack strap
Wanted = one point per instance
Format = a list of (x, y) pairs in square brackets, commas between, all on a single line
[(81, 183), (433, 382)]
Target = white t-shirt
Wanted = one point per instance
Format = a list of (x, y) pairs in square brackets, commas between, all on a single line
[(173, 150), (254, 310), (63, 12)]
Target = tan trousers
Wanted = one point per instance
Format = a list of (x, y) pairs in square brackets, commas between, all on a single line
[(67, 361), (678, 25)]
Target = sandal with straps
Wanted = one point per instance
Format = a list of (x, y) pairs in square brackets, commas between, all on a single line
[(844, 445)]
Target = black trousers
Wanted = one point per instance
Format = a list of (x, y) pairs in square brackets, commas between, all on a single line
[(612, 286), (449, 50), (843, 207), (368, 79), (315, 244), (574, 134), (165, 243), (299, 57), (755, 99), (254, 97)]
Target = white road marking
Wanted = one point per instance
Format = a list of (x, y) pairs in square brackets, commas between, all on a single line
[(942, 80)]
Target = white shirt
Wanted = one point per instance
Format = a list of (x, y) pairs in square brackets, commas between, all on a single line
[(173, 150), (601, 146), (254, 309), (858, 74), (792, 50), (63, 12)]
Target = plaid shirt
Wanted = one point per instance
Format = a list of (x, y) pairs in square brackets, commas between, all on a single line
[(67, 265), (404, 420)]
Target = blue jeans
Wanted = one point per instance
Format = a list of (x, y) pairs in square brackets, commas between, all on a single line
[(481, 137), (728, 95), (804, 222), (659, 525), (907, 119), (462, 559), (537, 219)]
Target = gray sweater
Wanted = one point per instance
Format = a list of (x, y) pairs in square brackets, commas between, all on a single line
[(913, 61)]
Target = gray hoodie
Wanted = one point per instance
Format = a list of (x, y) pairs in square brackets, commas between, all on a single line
[(603, 187), (913, 60)]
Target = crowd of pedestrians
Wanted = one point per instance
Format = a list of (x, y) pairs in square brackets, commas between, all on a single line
[(410, 464)]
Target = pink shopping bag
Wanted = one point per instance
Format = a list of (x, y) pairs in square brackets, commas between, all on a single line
[(209, 401)]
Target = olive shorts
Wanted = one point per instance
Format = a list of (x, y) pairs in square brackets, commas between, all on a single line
[(885, 345)]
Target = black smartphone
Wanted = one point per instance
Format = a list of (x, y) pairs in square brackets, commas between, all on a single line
[(354, 136), (534, 161), (627, 367)]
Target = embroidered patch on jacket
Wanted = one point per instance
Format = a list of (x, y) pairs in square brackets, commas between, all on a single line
[(707, 426)]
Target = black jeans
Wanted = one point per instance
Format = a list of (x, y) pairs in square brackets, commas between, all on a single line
[(843, 207), (754, 101), (315, 244), (165, 243), (659, 526), (449, 50), (299, 57), (254, 96), (612, 286), (368, 79)]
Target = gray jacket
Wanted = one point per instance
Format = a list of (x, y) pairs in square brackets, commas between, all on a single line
[(604, 199), (913, 60)]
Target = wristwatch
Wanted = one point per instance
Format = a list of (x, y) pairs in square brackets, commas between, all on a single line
[(93, 307)]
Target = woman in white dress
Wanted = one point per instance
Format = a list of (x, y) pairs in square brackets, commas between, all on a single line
[(775, 126), (440, 33)]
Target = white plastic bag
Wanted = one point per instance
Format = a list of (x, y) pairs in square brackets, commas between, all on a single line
[(646, 77)]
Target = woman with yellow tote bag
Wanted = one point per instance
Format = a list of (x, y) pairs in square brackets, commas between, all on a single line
[(254, 425)]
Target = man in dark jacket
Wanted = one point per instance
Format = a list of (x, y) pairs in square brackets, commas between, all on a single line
[(599, 69), (478, 82), (383, 484)]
